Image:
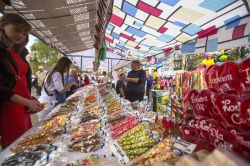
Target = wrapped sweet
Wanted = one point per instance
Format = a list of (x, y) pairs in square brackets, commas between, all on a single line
[(43, 137), (89, 99), (66, 109), (160, 152), (136, 141), (58, 121), (89, 143), (124, 126), (34, 155), (86, 138)]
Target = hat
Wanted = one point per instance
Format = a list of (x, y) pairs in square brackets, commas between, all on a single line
[(40, 67), (136, 61)]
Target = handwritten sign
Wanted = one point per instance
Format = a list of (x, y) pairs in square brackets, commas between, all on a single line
[(185, 146), (119, 153)]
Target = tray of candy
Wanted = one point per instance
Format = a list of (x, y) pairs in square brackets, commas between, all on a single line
[(136, 141), (35, 155)]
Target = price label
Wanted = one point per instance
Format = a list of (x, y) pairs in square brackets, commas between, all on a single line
[(185, 146), (119, 153), (148, 118)]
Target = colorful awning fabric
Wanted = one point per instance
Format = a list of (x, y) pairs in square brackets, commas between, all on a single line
[(141, 28)]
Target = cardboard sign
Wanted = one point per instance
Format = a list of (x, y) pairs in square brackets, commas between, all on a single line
[(185, 146), (119, 153)]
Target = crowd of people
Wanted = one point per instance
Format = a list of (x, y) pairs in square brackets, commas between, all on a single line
[(138, 82)]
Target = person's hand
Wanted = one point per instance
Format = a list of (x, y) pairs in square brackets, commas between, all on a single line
[(74, 84), (124, 77), (34, 106)]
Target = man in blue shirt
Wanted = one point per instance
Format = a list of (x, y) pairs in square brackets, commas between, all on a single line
[(69, 79), (135, 82)]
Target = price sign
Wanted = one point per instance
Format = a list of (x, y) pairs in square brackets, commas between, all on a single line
[(119, 153), (185, 146), (148, 118)]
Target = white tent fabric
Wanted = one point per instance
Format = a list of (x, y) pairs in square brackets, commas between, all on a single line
[(87, 63)]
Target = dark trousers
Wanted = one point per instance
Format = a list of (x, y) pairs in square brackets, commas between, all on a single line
[(38, 90), (133, 96)]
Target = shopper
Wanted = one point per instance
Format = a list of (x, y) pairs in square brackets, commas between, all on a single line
[(155, 75), (93, 80), (158, 83), (104, 77), (54, 90), (16, 102), (167, 83), (162, 83), (68, 80), (86, 80), (135, 82), (173, 83), (41, 73), (80, 80), (113, 82), (120, 86), (149, 83)]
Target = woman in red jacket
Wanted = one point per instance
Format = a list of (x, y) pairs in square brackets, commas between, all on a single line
[(16, 103), (86, 80)]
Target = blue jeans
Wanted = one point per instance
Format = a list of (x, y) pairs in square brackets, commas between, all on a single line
[(60, 98)]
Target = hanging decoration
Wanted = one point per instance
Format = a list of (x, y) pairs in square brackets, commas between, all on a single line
[(216, 57)]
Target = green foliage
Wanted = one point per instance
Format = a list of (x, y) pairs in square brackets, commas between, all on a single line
[(193, 61), (42, 55), (239, 53)]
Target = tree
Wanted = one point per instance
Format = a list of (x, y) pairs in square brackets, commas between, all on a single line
[(42, 55)]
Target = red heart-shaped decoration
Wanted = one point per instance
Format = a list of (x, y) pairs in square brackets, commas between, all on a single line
[(203, 144), (199, 126), (215, 113), (228, 106), (245, 109), (210, 74), (204, 127), (201, 103), (244, 70), (241, 140), (220, 137), (224, 77), (187, 133)]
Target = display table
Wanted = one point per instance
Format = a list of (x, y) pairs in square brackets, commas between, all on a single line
[(95, 126)]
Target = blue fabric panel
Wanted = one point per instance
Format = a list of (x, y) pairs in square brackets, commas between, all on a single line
[(129, 9), (115, 35), (170, 2), (188, 48), (136, 32), (110, 27), (138, 24), (165, 38), (180, 24), (233, 24), (192, 29), (212, 45), (215, 5)]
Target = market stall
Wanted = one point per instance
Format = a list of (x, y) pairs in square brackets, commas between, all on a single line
[(92, 121), (95, 126), (202, 120)]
